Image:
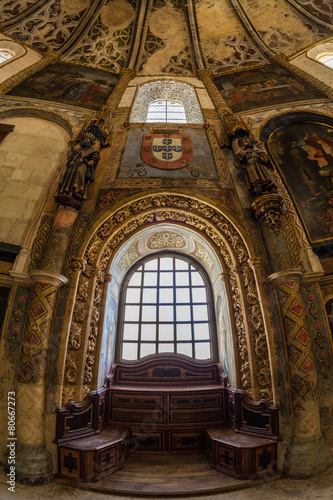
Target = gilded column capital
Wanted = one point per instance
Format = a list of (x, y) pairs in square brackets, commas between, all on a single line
[(58, 280), (127, 73), (204, 74), (286, 275)]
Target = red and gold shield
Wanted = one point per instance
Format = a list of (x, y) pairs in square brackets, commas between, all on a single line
[(167, 151)]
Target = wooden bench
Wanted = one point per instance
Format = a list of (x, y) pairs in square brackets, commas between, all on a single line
[(166, 405)]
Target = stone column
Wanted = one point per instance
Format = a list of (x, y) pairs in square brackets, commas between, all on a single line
[(33, 462), (282, 60), (49, 57), (126, 75), (308, 453)]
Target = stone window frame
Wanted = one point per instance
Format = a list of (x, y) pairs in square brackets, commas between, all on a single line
[(169, 90)]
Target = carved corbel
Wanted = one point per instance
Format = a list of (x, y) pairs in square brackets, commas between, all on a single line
[(267, 209)]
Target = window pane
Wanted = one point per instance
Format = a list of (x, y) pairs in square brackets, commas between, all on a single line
[(150, 279), (132, 313), (148, 332), (166, 295), (166, 279), (185, 349), (184, 332), (166, 313), (200, 313), (165, 332), (166, 264), (133, 295), (135, 280), (147, 349), (151, 265), (181, 265), (182, 295), (202, 350), (148, 313), (182, 279), (196, 279), (201, 331), (199, 295), (130, 351), (166, 348), (131, 331), (183, 313), (149, 296)]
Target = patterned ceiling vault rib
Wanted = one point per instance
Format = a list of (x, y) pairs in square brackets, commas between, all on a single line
[(48, 28), (88, 18), (138, 33), (167, 46), (321, 9), (237, 5), (193, 28), (309, 9), (224, 42), (108, 41), (13, 11), (281, 28)]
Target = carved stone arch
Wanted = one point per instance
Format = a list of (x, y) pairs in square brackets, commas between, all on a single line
[(255, 352), (41, 113)]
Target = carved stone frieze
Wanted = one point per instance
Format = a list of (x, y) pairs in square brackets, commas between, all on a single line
[(227, 241)]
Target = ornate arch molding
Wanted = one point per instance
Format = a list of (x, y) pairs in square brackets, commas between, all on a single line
[(255, 351), (42, 113)]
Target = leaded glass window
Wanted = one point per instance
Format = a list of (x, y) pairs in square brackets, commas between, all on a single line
[(165, 309)]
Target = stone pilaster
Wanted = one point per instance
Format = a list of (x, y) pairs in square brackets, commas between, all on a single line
[(308, 453)]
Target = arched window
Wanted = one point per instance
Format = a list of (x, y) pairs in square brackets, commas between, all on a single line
[(166, 112), (326, 59), (5, 55), (165, 307)]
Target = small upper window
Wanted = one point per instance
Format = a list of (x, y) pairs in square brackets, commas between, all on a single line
[(326, 59), (166, 112), (5, 55)]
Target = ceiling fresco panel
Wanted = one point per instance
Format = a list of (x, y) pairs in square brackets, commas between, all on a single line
[(167, 46), (108, 41), (224, 42), (12, 8), (281, 28), (322, 9), (51, 26)]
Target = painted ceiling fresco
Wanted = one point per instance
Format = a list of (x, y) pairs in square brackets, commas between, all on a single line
[(167, 36)]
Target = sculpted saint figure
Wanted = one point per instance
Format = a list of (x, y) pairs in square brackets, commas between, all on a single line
[(252, 158), (79, 169)]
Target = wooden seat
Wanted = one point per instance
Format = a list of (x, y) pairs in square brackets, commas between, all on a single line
[(92, 457), (240, 455)]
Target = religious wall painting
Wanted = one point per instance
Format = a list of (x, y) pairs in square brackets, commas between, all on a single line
[(303, 154), (68, 84), (168, 156), (263, 87)]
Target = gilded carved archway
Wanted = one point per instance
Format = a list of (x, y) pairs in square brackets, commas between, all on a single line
[(90, 278)]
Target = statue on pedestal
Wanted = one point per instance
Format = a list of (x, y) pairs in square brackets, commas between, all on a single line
[(79, 169), (252, 158)]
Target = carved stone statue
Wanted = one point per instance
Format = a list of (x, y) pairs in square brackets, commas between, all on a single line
[(252, 158), (79, 169)]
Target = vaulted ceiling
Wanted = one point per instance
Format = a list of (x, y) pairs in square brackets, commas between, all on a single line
[(168, 36)]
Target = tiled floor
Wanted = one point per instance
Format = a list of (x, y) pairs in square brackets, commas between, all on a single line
[(314, 489)]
